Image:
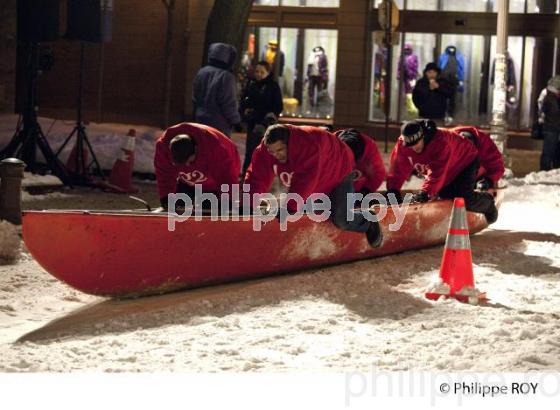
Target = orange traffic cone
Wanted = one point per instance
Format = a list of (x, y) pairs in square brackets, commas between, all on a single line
[(120, 180), (72, 163), (456, 272)]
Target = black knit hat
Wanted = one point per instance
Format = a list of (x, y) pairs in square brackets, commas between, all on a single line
[(412, 132), (432, 66), (351, 137)]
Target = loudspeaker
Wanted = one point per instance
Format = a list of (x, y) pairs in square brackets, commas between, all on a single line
[(37, 20), (90, 20)]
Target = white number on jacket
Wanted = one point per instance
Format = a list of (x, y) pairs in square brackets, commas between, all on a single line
[(192, 178), (285, 177)]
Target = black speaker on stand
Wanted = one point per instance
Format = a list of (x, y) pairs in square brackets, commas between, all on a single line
[(87, 21), (37, 21)]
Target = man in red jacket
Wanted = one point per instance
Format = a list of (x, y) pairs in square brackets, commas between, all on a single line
[(310, 160), (448, 161), (368, 164), (491, 159), (188, 154)]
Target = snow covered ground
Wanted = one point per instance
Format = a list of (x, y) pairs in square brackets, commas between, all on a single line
[(350, 317), (106, 140)]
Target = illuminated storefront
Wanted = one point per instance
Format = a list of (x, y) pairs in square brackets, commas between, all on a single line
[(427, 30), (472, 101)]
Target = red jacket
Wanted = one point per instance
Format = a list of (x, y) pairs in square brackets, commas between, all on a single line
[(217, 161), (443, 158), (491, 160), (317, 163), (370, 168)]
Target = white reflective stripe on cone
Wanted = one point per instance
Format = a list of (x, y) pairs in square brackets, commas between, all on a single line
[(457, 242), (459, 219)]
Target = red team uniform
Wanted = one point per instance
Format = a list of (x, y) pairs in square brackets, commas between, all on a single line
[(491, 160), (443, 158), (448, 161), (368, 164), (317, 162), (216, 162)]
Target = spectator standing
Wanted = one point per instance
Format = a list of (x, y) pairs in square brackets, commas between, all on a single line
[(262, 98), (431, 92), (551, 125), (215, 90)]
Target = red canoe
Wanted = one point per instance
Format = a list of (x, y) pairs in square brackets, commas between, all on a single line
[(124, 254)]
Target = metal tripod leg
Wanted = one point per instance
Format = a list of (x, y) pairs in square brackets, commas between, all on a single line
[(93, 156)]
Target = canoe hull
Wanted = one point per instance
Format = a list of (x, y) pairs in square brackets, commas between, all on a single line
[(133, 254)]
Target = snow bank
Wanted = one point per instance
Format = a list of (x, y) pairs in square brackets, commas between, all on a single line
[(545, 178), (106, 140), (36, 180)]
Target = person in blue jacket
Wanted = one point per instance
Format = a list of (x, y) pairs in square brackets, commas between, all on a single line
[(452, 66), (215, 90)]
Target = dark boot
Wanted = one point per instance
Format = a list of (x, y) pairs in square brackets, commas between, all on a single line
[(492, 215), (374, 235), (482, 202)]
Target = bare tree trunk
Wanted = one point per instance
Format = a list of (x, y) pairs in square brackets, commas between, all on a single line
[(9, 53), (226, 24), (170, 7)]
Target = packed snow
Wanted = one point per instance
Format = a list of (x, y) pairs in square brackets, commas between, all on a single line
[(350, 317)]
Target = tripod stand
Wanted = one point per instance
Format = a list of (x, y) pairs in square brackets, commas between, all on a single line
[(77, 163), (29, 135)]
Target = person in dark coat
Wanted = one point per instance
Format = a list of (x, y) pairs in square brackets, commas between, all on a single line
[(431, 93), (215, 90), (551, 125), (261, 104)]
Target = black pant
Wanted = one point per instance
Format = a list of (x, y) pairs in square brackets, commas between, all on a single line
[(452, 99), (253, 140), (344, 218), (463, 186), (550, 152)]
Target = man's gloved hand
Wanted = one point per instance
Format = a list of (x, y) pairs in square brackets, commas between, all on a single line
[(420, 197), (237, 127), (397, 194), (484, 184), (163, 202)]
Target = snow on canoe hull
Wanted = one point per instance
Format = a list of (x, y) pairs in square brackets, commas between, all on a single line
[(126, 254)]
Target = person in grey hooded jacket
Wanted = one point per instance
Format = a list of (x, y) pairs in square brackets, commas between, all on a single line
[(215, 91)]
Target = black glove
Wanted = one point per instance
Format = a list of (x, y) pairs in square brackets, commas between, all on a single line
[(420, 197), (397, 194), (237, 127), (163, 202), (484, 184)]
